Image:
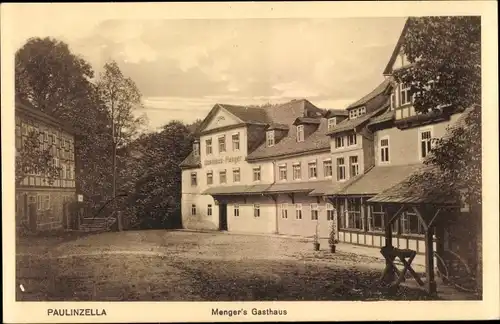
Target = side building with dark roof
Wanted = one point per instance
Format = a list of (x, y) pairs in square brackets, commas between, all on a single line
[(40, 205)]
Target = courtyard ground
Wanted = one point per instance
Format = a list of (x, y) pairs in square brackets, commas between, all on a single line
[(189, 266)]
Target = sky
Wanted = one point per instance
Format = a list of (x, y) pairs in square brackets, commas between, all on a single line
[(185, 66)]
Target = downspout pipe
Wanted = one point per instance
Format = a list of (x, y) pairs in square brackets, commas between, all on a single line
[(276, 230)]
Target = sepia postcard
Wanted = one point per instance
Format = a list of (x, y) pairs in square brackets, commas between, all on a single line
[(263, 161)]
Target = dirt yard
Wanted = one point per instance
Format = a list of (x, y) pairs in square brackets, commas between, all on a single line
[(188, 266)]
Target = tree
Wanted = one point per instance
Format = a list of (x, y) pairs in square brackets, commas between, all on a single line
[(121, 97), (445, 57), (50, 77), (33, 158), (58, 82), (154, 180), (445, 71)]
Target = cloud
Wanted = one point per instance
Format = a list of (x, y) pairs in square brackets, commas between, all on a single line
[(192, 64)]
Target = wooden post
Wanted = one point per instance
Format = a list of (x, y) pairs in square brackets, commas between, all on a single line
[(429, 261), (390, 275), (32, 217), (119, 220)]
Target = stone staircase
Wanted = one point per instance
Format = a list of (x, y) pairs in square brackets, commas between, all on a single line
[(97, 224)]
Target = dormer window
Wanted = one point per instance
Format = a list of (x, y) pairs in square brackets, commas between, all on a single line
[(196, 149), (270, 138), (355, 113), (332, 122), (300, 133)]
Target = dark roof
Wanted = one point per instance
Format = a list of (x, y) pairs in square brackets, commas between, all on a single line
[(289, 145), (237, 190), (378, 179), (297, 186), (28, 109), (248, 114), (306, 120), (278, 126), (380, 89), (191, 161), (336, 112), (395, 52), (350, 124), (331, 188), (419, 190), (387, 116)]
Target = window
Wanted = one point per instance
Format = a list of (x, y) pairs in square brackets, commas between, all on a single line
[(196, 149), (404, 94), (236, 175), (256, 174), (236, 210), (393, 101), (297, 172), (208, 146), (376, 220), (464, 202), (300, 133), (256, 210), (314, 211), (353, 166), (327, 168), (236, 142), (63, 171), (194, 180), (362, 111), (282, 172), (222, 143), (340, 169), (284, 210), (354, 214), (329, 212), (222, 176), (210, 178), (298, 211), (209, 210), (270, 138), (313, 170), (68, 172), (193, 209), (425, 143), (351, 139), (39, 202), (332, 122), (410, 224), (384, 150), (339, 142)]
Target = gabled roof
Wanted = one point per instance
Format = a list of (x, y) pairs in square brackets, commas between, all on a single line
[(380, 89), (397, 49), (248, 114)]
